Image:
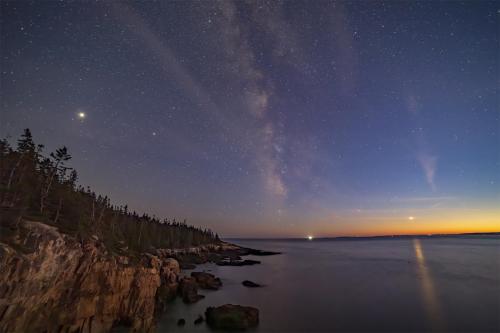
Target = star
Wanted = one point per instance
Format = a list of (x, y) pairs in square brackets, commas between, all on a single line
[(81, 115)]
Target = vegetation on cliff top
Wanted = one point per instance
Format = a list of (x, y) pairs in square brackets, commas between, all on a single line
[(33, 186)]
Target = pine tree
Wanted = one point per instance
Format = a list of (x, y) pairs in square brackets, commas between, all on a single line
[(59, 158)]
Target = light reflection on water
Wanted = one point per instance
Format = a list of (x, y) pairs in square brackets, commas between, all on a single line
[(428, 293)]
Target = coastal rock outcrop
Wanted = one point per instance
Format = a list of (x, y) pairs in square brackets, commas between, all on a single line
[(50, 282), (244, 251), (232, 317), (53, 282), (246, 262), (220, 253)]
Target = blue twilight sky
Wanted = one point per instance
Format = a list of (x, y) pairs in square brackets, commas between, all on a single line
[(267, 118)]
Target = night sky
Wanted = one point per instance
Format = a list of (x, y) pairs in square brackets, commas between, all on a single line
[(267, 119)]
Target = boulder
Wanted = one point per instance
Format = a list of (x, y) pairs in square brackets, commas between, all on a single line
[(250, 284), (188, 290), (232, 317), (206, 280)]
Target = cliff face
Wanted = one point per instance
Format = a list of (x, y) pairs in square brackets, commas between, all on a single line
[(50, 282)]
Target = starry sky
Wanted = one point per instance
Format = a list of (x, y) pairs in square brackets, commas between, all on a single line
[(267, 119)]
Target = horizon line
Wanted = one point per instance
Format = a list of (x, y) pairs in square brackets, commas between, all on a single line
[(375, 236)]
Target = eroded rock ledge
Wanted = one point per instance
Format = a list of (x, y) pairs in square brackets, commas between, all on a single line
[(50, 282)]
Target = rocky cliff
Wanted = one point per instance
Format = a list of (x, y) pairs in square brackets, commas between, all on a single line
[(50, 282)]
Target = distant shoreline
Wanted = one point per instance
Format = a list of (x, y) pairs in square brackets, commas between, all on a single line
[(353, 238)]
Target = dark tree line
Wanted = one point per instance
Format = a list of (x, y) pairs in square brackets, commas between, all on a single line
[(40, 188)]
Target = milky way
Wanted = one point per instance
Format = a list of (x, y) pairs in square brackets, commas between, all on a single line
[(267, 118)]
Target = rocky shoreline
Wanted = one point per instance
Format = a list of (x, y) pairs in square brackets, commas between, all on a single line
[(51, 282)]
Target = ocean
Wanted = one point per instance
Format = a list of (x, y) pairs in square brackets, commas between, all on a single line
[(400, 285)]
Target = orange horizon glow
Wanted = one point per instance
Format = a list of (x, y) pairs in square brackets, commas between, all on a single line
[(444, 230), (385, 232), (442, 223), (420, 233), (473, 218), (451, 222)]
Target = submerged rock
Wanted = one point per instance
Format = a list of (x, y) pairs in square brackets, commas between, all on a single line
[(188, 289), (232, 317), (250, 284), (198, 320), (207, 280)]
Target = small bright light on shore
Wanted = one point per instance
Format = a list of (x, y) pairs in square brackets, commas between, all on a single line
[(81, 115), (411, 218), (310, 237)]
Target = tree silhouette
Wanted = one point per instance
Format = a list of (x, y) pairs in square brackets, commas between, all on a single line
[(56, 167), (36, 187)]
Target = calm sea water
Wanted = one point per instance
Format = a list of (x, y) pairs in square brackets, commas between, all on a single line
[(444, 284)]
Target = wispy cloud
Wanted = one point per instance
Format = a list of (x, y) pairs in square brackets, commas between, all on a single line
[(427, 161), (169, 64), (429, 165)]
